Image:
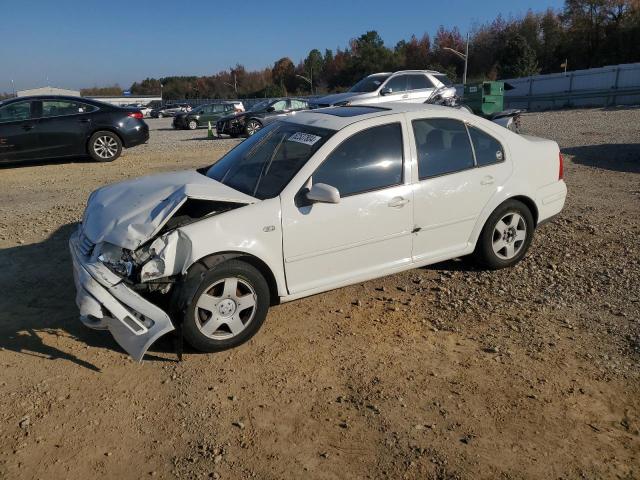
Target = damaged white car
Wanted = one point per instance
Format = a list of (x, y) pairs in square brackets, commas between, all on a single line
[(324, 199)]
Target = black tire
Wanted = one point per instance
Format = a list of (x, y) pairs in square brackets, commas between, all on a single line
[(515, 216), (160, 115), (252, 127), (195, 318), (104, 146)]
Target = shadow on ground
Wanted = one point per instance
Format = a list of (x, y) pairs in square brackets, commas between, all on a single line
[(46, 161), (38, 303), (619, 157)]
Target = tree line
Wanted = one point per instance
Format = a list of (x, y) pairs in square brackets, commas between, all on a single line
[(583, 34)]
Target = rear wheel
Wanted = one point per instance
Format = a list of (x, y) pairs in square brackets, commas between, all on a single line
[(227, 308), (252, 127), (105, 146), (506, 236)]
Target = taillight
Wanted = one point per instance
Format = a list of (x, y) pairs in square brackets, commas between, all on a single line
[(561, 167), (135, 115)]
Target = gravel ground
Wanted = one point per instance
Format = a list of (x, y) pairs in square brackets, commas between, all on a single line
[(445, 372)]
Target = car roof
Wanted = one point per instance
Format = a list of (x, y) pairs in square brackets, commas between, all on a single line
[(335, 118)]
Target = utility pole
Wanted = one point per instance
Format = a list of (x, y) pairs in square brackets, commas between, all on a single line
[(13, 87), (463, 56), (309, 80), (235, 84)]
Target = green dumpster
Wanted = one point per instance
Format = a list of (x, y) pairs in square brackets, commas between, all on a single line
[(484, 98)]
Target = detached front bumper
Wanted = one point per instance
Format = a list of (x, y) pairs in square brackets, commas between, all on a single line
[(106, 303)]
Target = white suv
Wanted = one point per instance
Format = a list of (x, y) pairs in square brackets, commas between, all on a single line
[(410, 86), (322, 199)]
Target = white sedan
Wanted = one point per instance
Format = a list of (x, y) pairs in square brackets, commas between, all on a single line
[(322, 199)]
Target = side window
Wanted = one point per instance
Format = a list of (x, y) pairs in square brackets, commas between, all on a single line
[(298, 105), (397, 84), (217, 108), (57, 108), (280, 106), (419, 82), (15, 112), (369, 160), (488, 149), (443, 146)]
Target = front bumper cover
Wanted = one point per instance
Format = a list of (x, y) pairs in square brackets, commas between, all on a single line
[(106, 303)]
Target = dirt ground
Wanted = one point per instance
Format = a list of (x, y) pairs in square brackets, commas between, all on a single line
[(445, 372)]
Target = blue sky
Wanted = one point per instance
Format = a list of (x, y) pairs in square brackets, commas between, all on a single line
[(74, 43)]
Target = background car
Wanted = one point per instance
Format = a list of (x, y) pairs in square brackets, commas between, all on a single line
[(410, 86), (201, 115), (146, 111), (33, 128), (261, 114), (170, 110)]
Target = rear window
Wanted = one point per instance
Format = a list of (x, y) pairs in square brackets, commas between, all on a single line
[(444, 79)]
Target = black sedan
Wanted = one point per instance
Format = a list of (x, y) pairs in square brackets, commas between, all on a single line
[(43, 127), (261, 114)]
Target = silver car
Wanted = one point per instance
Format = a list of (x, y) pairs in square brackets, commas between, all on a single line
[(412, 86)]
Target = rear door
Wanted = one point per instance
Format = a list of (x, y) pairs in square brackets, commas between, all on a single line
[(63, 126), (419, 87), (18, 133), (460, 168)]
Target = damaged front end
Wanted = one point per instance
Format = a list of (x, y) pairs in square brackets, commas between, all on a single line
[(127, 260)]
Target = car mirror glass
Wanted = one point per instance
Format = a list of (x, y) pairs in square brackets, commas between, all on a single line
[(386, 91), (323, 193)]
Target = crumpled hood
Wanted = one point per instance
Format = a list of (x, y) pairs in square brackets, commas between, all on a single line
[(335, 98), (129, 213)]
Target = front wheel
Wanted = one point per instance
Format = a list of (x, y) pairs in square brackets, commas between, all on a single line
[(506, 236), (192, 124), (227, 308), (252, 127), (105, 146)]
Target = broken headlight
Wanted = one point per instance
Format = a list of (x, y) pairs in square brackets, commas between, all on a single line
[(151, 270), (117, 259)]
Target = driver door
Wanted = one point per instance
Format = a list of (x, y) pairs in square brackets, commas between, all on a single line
[(396, 88), (368, 233)]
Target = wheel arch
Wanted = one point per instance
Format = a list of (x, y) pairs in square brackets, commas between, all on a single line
[(529, 203), (105, 129), (211, 261)]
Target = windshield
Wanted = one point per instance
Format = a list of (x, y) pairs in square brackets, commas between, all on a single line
[(260, 105), (369, 84), (263, 164), (444, 79)]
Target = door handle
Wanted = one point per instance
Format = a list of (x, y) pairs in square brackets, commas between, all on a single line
[(28, 127), (398, 202), (488, 180), (85, 120), (406, 95)]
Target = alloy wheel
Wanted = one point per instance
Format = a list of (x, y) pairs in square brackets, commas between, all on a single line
[(253, 127), (105, 147), (509, 236), (226, 308)]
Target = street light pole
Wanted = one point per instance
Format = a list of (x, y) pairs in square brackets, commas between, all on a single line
[(463, 56)]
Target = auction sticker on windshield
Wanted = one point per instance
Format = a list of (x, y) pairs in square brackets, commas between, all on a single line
[(305, 138)]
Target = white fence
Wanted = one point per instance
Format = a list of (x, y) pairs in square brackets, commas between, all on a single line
[(605, 86)]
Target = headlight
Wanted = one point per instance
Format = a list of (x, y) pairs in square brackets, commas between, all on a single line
[(151, 270), (116, 259)]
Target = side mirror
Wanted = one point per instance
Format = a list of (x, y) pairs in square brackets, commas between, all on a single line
[(271, 109), (323, 193), (386, 91)]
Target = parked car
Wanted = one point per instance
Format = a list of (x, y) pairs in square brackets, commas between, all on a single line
[(320, 200), (411, 86), (170, 110), (261, 114), (42, 127), (146, 111), (201, 115)]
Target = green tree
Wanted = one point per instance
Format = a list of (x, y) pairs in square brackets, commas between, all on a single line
[(517, 58), (284, 74)]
